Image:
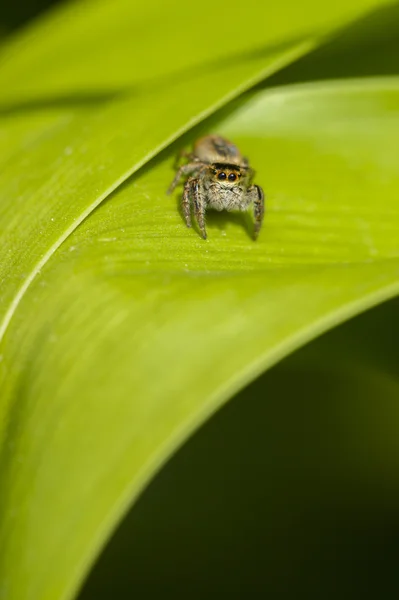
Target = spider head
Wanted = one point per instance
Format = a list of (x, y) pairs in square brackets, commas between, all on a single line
[(226, 173)]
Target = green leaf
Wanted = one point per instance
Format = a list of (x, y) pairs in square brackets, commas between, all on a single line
[(72, 158), (294, 481), (94, 91), (137, 330), (122, 335), (103, 45)]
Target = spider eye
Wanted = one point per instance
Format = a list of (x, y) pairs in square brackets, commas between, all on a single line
[(222, 175), (232, 177)]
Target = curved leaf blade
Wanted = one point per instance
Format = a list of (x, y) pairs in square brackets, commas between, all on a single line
[(83, 155), (298, 475), (85, 152), (103, 45), (148, 328)]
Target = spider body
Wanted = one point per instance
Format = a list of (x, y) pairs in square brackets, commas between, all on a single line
[(220, 178)]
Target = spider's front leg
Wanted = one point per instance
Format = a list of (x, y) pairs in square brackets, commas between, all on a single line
[(188, 169), (199, 203), (186, 201), (256, 196)]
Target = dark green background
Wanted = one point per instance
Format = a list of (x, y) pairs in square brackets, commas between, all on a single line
[(17, 13)]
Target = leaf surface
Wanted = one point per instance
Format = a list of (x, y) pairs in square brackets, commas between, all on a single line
[(137, 330), (96, 89)]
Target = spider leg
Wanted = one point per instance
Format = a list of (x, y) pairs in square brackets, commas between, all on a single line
[(185, 203), (256, 197), (199, 203), (259, 207), (183, 170)]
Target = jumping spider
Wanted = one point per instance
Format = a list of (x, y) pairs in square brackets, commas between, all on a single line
[(220, 178)]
